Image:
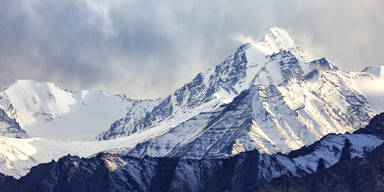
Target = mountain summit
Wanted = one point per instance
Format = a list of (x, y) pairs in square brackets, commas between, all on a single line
[(274, 40), (268, 96)]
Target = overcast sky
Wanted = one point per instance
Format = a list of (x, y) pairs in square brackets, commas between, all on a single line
[(148, 48)]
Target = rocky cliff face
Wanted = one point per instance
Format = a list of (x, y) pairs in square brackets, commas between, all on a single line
[(9, 127), (270, 96), (350, 175), (349, 162), (220, 84)]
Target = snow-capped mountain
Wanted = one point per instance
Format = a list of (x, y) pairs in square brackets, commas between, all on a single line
[(247, 66), (246, 171), (44, 110), (269, 96), (375, 70)]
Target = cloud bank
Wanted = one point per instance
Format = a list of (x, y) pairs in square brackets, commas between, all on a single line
[(148, 48)]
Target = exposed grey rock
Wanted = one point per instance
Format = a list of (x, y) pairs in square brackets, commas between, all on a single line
[(9, 127)]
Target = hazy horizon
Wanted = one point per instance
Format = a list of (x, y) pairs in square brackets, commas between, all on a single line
[(147, 49)]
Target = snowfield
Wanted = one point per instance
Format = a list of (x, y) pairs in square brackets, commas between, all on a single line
[(44, 110)]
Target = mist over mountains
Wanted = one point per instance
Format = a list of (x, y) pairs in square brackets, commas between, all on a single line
[(270, 109)]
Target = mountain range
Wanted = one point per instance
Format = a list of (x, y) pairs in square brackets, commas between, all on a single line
[(338, 162), (270, 107)]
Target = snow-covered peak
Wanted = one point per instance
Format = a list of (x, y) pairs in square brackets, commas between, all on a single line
[(375, 70), (30, 98), (45, 110), (274, 40), (22, 83), (272, 60)]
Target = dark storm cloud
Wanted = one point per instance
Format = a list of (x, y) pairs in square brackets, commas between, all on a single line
[(147, 48)]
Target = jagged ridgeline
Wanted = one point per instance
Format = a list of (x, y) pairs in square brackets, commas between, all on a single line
[(270, 96), (336, 162)]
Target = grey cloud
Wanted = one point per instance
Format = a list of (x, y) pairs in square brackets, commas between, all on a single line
[(148, 48)]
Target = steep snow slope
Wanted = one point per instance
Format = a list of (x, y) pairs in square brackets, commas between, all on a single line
[(44, 110), (267, 118), (287, 100), (222, 83)]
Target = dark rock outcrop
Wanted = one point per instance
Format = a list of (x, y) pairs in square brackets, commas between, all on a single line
[(247, 171), (357, 174), (375, 126), (350, 175)]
